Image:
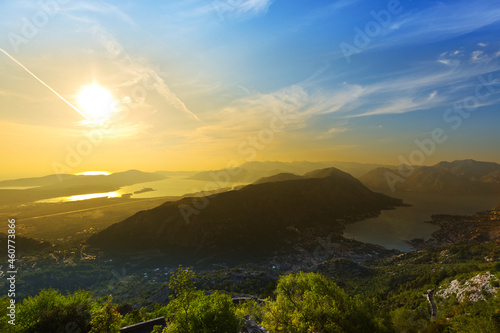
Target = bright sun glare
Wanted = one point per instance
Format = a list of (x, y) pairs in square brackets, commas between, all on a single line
[(97, 102)]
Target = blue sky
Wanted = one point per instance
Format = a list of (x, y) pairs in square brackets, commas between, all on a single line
[(219, 71)]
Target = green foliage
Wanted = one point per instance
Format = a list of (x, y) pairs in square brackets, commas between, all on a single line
[(205, 314), (409, 320), (478, 317), (50, 311), (193, 311), (182, 287), (390, 298), (134, 317), (251, 308), (157, 329), (105, 319), (4, 303), (65, 278), (309, 302)]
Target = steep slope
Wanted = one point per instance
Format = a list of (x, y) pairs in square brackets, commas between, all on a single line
[(260, 217), (466, 177), (278, 178)]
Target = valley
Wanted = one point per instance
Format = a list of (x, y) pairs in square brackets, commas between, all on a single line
[(241, 240)]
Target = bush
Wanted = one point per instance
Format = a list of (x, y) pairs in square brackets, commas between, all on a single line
[(49, 311), (105, 319), (206, 314), (308, 302), (251, 308), (193, 311)]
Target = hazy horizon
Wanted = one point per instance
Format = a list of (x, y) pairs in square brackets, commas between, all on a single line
[(104, 171)]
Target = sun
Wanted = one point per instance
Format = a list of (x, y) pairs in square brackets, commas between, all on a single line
[(97, 102)]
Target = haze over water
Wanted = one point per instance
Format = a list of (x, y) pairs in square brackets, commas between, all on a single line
[(394, 227)]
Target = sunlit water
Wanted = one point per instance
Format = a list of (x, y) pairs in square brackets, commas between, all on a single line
[(393, 227), (81, 197), (174, 186), (93, 173), (17, 187)]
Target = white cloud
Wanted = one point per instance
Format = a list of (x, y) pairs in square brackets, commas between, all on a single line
[(430, 25), (449, 58), (482, 44), (98, 6), (403, 105), (331, 132), (479, 56), (139, 72), (237, 8)]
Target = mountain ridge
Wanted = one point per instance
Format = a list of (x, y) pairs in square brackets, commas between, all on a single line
[(254, 170), (262, 217), (460, 177)]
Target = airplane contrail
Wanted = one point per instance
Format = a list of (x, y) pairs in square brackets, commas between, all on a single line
[(45, 84)]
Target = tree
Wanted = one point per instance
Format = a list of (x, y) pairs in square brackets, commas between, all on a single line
[(309, 302), (105, 319), (206, 314), (49, 311), (193, 311), (182, 287), (4, 311)]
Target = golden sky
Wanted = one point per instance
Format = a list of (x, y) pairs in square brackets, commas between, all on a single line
[(191, 86)]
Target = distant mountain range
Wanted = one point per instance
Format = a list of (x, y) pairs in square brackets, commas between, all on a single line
[(252, 171), (257, 218), (53, 186), (464, 177)]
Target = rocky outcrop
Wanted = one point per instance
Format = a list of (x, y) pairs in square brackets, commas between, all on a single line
[(472, 289)]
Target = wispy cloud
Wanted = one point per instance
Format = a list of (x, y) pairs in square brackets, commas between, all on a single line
[(236, 8), (328, 10), (479, 56), (139, 72), (430, 25), (332, 132), (450, 58), (404, 105), (92, 7)]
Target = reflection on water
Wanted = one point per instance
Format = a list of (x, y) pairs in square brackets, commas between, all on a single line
[(81, 197), (172, 186), (17, 187), (393, 227), (93, 173)]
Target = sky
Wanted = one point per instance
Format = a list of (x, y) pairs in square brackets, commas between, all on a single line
[(197, 85)]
